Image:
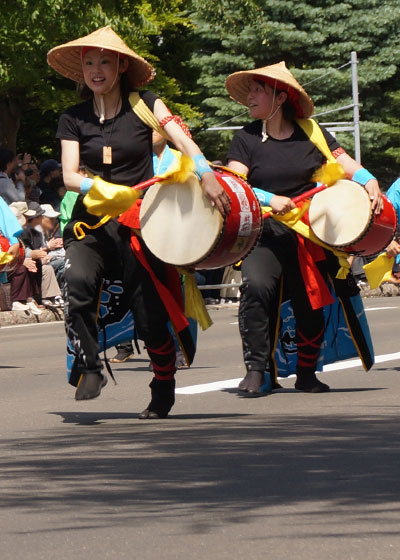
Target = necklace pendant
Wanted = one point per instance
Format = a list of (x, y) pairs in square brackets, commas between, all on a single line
[(107, 155)]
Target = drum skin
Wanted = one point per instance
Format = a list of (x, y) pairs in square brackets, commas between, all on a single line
[(4, 246), (341, 216), (181, 227)]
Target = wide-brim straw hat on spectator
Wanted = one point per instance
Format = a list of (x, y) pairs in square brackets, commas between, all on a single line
[(66, 59), (277, 76), (21, 211)]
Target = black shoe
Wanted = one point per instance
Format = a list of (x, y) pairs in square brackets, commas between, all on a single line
[(251, 384), (310, 384), (90, 386), (124, 353), (162, 399)]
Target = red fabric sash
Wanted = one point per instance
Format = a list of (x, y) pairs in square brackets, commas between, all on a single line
[(309, 254), (131, 217), (171, 296)]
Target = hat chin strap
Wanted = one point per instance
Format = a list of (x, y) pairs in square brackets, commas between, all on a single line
[(272, 113), (102, 116)]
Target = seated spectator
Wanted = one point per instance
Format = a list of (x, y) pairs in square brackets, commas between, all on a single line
[(49, 170), (8, 189), (50, 229), (36, 250), (25, 282)]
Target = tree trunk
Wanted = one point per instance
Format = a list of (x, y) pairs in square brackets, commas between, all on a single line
[(10, 115)]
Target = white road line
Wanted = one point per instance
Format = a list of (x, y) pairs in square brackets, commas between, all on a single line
[(231, 383), (32, 325), (378, 308)]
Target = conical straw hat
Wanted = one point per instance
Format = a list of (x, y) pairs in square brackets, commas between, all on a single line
[(67, 58), (277, 75)]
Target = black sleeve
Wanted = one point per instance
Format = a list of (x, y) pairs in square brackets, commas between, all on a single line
[(330, 139), (67, 128), (149, 98), (239, 149)]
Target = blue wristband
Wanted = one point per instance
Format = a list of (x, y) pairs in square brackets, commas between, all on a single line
[(86, 185), (264, 197), (201, 165), (362, 176)]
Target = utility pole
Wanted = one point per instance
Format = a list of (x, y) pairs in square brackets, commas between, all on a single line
[(356, 106)]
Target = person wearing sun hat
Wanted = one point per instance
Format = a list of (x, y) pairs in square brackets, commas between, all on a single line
[(279, 152), (109, 139)]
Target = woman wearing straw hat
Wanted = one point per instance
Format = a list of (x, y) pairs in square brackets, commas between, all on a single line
[(279, 158), (112, 142)]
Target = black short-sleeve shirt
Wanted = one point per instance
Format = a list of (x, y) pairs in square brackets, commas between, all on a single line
[(129, 137), (283, 167)]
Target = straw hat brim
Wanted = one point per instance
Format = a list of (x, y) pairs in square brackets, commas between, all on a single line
[(66, 59), (237, 85)]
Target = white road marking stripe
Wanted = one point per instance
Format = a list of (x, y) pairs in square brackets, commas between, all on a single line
[(231, 383), (32, 325), (378, 308)]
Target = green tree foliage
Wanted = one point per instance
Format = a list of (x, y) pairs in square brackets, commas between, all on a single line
[(33, 94), (315, 38)]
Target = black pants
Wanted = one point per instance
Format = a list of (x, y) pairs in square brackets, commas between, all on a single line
[(106, 253), (274, 257)]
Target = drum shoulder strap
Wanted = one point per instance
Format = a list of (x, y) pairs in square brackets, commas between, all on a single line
[(314, 133), (144, 113)]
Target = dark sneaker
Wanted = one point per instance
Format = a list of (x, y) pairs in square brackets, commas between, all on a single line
[(311, 384), (124, 353), (90, 386)]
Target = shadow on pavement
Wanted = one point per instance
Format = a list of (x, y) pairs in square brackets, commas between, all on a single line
[(229, 466)]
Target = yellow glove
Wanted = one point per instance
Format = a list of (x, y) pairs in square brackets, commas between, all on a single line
[(106, 198)]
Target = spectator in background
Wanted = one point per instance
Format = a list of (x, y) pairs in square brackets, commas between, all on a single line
[(25, 283), (32, 174), (8, 189), (50, 229), (49, 170), (393, 248), (36, 250)]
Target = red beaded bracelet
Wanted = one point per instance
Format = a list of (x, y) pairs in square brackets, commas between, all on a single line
[(338, 152), (178, 121)]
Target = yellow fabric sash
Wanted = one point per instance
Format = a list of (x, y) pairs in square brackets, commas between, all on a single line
[(145, 114), (331, 171), (379, 270), (194, 302), (5, 258)]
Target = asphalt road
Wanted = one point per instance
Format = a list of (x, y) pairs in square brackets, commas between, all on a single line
[(287, 475)]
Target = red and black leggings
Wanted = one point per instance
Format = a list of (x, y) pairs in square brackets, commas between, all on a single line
[(275, 256), (103, 253)]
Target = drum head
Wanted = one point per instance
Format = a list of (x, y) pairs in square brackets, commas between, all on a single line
[(178, 223), (340, 214)]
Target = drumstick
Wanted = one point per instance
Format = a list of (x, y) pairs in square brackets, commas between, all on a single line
[(179, 174), (148, 183), (302, 197)]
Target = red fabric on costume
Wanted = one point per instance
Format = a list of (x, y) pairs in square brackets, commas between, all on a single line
[(131, 217), (317, 290), (174, 309)]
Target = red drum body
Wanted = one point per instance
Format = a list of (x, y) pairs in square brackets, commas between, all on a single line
[(4, 246), (179, 225), (342, 216)]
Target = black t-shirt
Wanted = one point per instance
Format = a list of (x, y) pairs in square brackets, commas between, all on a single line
[(129, 137), (283, 167)]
